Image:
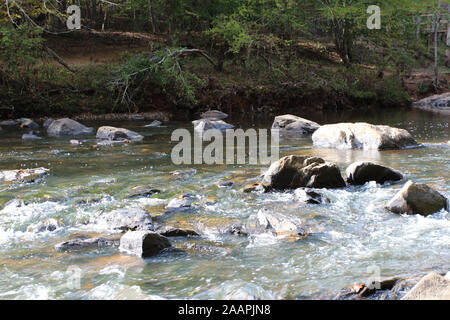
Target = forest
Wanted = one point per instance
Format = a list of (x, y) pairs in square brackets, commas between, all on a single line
[(187, 55)]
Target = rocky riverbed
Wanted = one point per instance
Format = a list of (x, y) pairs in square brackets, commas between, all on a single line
[(104, 203)]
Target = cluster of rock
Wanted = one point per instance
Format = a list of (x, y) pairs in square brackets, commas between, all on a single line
[(292, 172), (433, 286)]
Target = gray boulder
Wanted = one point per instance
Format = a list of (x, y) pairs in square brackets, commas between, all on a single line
[(48, 122), (362, 136), (214, 114), (117, 134), (143, 243), (278, 225), (127, 219), (67, 127), (431, 287), (203, 125), (182, 203), (361, 172), (293, 171), (439, 103), (10, 122), (290, 125), (417, 198)]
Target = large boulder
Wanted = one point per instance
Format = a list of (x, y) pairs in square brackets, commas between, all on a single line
[(278, 225), (292, 125), (127, 219), (214, 114), (117, 134), (203, 125), (143, 243), (439, 103), (67, 127), (361, 172), (417, 198), (23, 175), (362, 136), (431, 287), (293, 171)]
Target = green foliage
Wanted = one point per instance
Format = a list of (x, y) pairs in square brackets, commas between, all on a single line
[(20, 47), (161, 69)]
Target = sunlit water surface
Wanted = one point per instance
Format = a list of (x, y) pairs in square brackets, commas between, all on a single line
[(348, 238)]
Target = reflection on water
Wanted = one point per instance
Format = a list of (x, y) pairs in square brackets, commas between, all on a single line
[(347, 236)]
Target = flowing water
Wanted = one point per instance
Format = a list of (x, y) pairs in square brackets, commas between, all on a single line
[(350, 239)]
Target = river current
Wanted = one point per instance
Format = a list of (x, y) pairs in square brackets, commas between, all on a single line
[(350, 239)]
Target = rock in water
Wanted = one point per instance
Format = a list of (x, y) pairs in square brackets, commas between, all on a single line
[(155, 123), (292, 125), (293, 171), (362, 136), (207, 124), (431, 287), (170, 231), (417, 198), (310, 196), (83, 243), (439, 103), (278, 225), (214, 114), (143, 243), (47, 225), (67, 127), (182, 203), (127, 219), (30, 136), (117, 134), (23, 175), (28, 124), (48, 122), (361, 172), (9, 123)]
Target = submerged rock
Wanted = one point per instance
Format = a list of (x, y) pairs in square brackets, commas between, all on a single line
[(237, 228), (47, 225), (253, 187), (431, 287), (182, 203), (225, 184), (169, 231), (84, 243), (67, 127), (214, 114), (293, 171), (361, 172), (143, 243), (127, 219), (117, 134), (417, 198), (203, 125), (141, 191), (294, 126), (23, 175), (310, 196), (362, 136), (278, 225)]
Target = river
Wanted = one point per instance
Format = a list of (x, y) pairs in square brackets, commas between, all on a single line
[(348, 238)]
